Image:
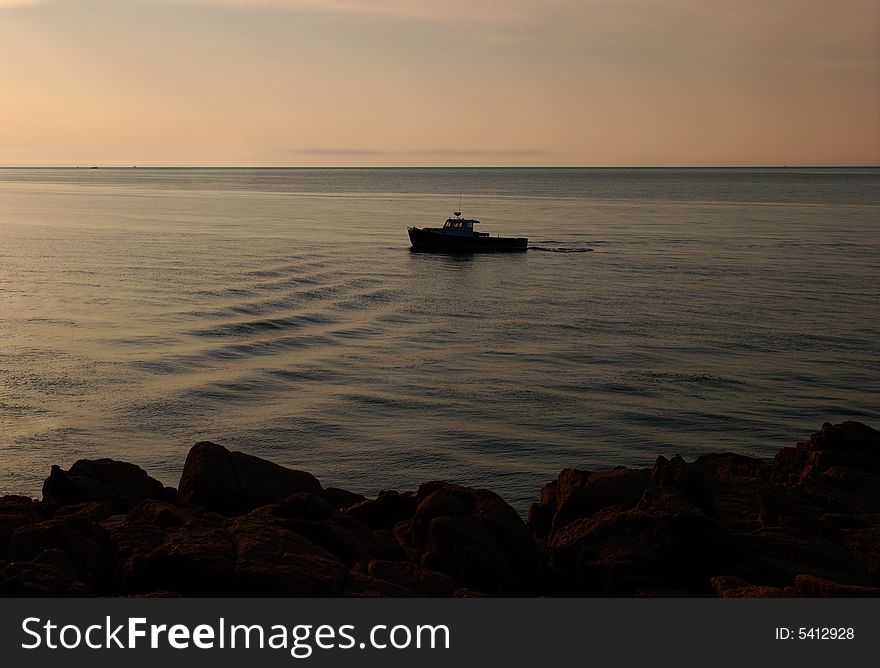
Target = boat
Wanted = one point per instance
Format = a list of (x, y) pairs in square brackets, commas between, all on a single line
[(458, 235)]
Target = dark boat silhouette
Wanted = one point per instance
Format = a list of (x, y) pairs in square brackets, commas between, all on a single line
[(458, 235)]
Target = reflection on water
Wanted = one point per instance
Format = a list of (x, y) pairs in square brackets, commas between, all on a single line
[(143, 311)]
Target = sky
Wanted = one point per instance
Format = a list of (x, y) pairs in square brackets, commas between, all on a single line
[(431, 82)]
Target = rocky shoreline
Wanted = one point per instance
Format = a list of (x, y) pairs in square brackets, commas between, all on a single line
[(807, 524)]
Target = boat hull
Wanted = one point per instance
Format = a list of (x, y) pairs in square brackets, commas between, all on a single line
[(454, 243)]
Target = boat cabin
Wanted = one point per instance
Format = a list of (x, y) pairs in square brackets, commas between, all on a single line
[(463, 226), (459, 224)]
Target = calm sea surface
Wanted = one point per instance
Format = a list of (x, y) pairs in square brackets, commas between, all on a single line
[(281, 312)]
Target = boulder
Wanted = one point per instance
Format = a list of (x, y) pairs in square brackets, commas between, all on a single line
[(664, 544), (402, 533), (850, 444), (160, 546), (731, 467), (779, 506), (814, 587), (168, 515), (82, 543), (477, 538), (28, 579), (850, 437), (130, 543), (577, 494), (677, 474), (776, 556), (271, 560), (15, 512), (192, 561), (341, 535), (94, 511), (386, 510), (730, 586), (864, 544), (460, 547), (234, 483), (398, 579), (119, 484), (732, 485), (342, 498), (361, 585), (421, 581)]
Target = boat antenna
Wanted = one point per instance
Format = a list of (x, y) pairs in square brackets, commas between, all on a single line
[(458, 213)]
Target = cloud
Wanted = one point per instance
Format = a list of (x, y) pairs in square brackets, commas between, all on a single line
[(450, 11), (427, 152)]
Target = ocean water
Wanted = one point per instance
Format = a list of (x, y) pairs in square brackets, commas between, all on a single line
[(281, 312)]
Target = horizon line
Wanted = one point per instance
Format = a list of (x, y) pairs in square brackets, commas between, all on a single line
[(367, 166)]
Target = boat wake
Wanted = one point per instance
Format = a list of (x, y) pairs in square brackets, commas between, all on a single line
[(560, 250)]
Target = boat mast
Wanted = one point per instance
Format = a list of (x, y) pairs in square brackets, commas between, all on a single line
[(458, 213)]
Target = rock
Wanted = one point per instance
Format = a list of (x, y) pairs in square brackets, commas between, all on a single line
[(733, 468), (464, 592), (840, 491), (192, 561), (384, 511), (60, 560), (781, 507), (24, 579), (475, 537), (576, 494), (361, 585), (161, 515), (663, 544), (813, 587), (234, 483), (130, 543), (723, 525), (776, 556), (393, 578), (168, 515), (506, 527), (852, 438), (730, 586), (341, 498), (160, 546), (677, 474), (849, 444), (788, 464), (119, 484), (421, 581), (724, 486), (343, 536), (273, 561), (308, 507), (732, 484), (83, 542), (94, 511), (864, 544), (172, 496), (460, 547), (15, 512), (391, 548), (402, 532), (446, 501), (860, 486)]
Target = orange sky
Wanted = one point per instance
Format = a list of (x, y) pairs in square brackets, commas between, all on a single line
[(418, 82)]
